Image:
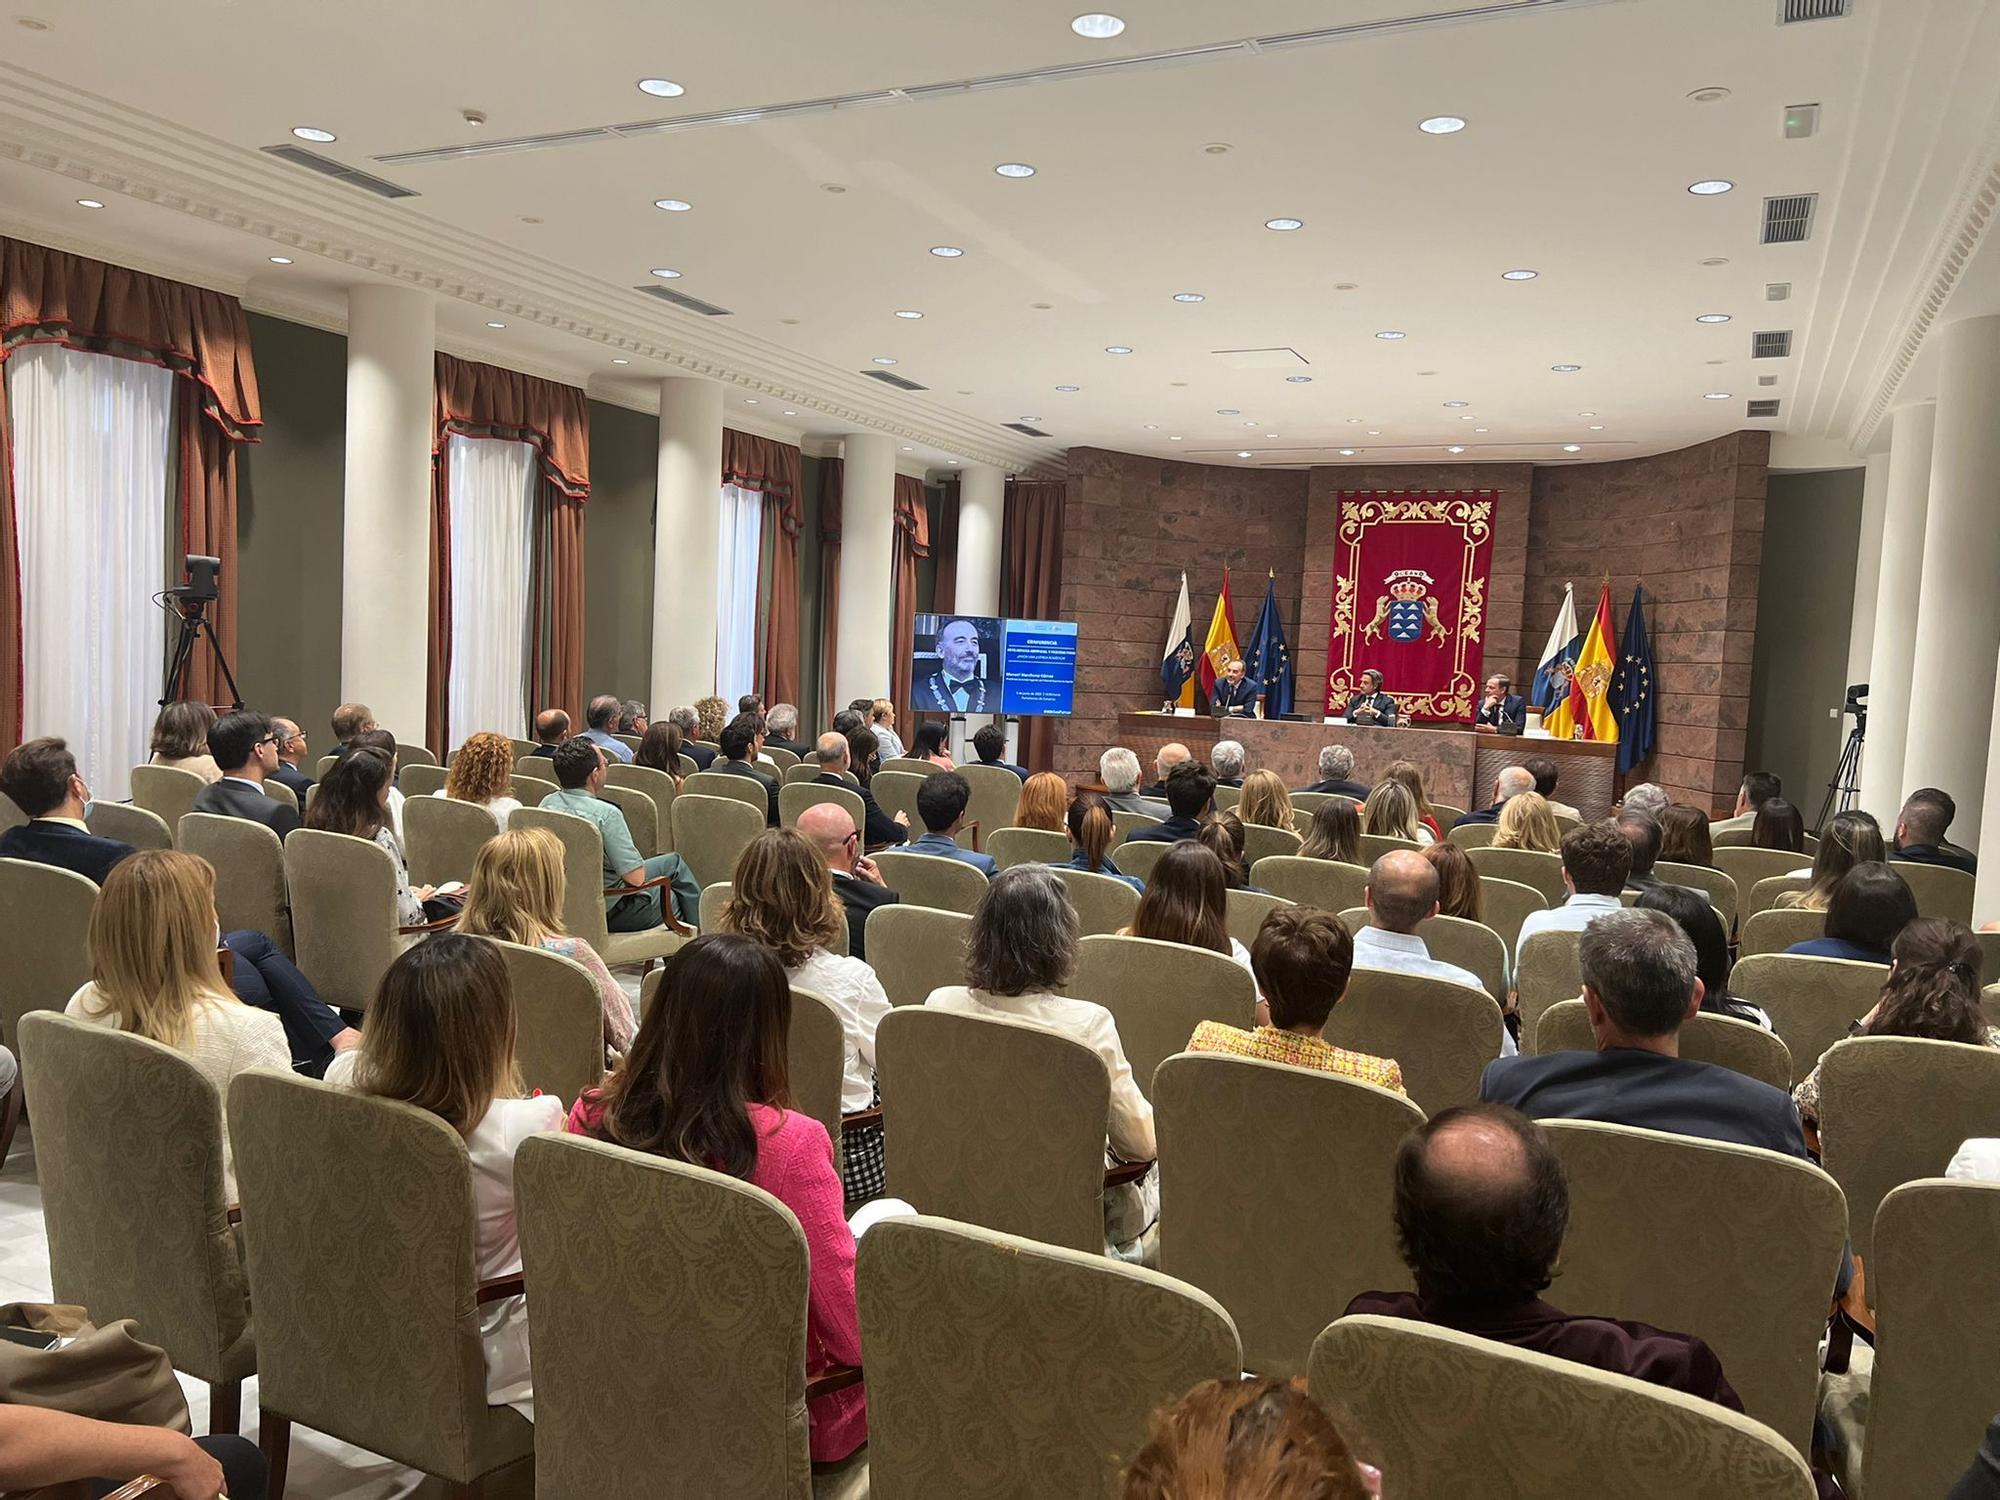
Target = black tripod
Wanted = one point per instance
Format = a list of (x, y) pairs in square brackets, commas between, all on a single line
[(1846, 775), (193, 615)]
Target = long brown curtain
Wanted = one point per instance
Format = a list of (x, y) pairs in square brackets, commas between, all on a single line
[(484, 401), (832, 490), (51, 297), (771, 469), (1031, 583), (944, 547), (912, 540)]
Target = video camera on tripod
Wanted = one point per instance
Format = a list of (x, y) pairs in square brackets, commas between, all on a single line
[(189, 604), (1857, 704), (1840, 791)]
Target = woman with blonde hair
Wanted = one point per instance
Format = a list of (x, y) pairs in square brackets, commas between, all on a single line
[(483, 772), (1391, 809), (1265, 801), (180, 740), (441, 1037), (1408, 772), (781, 894), (1043, 802), (516, 895), (1335, 833), (1850, 839), (711, 713), (153, 973), (1526, 823)]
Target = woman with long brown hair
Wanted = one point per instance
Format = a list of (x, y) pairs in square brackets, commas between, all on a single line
[(441, 1037), (483, 773), (1684, 836), (660, 749), (1091, 830), (706, 1082), (153, 972), (353, 799), (180, 739), (1265, 801), (781, 895), (1850, 839), (1043, 802), (1335, 833), (1222, 836), (1187, 901), (1458, 881)]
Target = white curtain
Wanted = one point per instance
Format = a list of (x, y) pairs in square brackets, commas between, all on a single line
[(492, 563), (91, 436), (738, 551)]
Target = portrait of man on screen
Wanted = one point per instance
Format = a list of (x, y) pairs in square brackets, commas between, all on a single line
[(957, 664)]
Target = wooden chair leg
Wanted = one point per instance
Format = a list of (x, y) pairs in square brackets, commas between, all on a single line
[(474, 1490), (225, 1408), (10, 1116), (274, 1440)]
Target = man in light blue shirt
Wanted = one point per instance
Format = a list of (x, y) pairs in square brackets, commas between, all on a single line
[(579, 766), (1597, 860), (1403, 891), (602, 717), (941, 803)]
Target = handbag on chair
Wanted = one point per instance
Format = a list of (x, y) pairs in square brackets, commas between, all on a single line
[(104, 1373)]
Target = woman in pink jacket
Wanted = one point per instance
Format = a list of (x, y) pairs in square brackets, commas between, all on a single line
[(706, 1083)]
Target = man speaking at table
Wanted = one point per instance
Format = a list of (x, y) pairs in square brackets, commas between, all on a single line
[(1371, 705), (1235, 696)]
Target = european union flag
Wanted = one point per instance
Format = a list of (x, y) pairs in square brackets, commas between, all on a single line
[(1268, 660), (1632, 698)]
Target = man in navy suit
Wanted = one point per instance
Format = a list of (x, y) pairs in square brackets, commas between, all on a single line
[(836, 768), (856, 881), (1235, 696), (1372, 705), (42, 780), (739, 751), (1501, 711), (291, 751), (245, 746), (941, 803), (1190, 789), (989, 744), (1920, 830)]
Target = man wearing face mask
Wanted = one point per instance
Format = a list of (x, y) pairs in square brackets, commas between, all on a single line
[(42, 780)]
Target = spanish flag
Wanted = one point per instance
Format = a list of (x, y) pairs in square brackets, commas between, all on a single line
[(1220, 649), (1587, 714)]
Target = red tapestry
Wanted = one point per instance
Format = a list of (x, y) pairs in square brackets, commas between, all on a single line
[(1409, 598)]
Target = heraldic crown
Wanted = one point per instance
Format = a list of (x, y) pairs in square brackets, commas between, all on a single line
[(1408, 584)]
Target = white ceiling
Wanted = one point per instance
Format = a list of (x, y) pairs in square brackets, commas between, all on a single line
[(1580, 145)]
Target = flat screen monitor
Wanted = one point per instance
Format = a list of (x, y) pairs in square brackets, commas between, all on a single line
[(979, 664)]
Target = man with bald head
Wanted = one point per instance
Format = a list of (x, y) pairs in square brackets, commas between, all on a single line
[(836, 768), (1510, 783), (855, 879), (1482, 1204), (1172, 754), (1403, 891)]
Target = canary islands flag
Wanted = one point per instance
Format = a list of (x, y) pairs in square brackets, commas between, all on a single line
[(1587, 714), (1220, 649), (1177, 661)]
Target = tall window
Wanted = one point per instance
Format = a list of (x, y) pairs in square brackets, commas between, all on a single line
[(492, 563), (91, 438), (738, 550)]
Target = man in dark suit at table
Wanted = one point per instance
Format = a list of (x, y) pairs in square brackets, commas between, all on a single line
[(1235, 696), (41, 778), (245, 746), (1371, 705), (1336, 774), (1501, 711)]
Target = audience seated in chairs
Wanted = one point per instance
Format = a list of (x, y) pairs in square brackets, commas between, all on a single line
[(1190, 790), (1758, 788), (180, 740), (1264, 801), (661, 749), (1391, 811), (245, 745), (1088, 823), (1696, 916), (41, 1446), (1302, 959), (1118, 769), (1512, 782), (1596, 861), (1684, 836), (781, 895), (1525, 822), (1932, 991), (154, 973), (350, 720), (740, 740), (928, 744), (688, 722), (483, 773), (632, 717), (551, 729), (1848, 839), (1186, 900), (705, 1083), (1249, 1437), (711, 716), (1640, 830), (1412, 777), (782, 726), (516, 895), (441, 1037), (1458, 881), (42, 780), (292, 751), (1778, 825), (1169, 755), (374, 737), (838, 756), (1546, 772), (1336, 774), (1222, 836), (1021, 952), (989, 743), (354, 800), (1869, 906), (1225, 758), (600, 718), (864, 755), (579, 767), (1921, 827), (1402, 892), (857, 884), (941, 804), (1043, 802), (1482, 1204), (1335, 833), (882, 724)]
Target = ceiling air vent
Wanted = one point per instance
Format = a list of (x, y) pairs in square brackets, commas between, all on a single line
[(1761, 408), (1787, 221), (1790, 12), (1025, 430), (326, 166), (898, 381), (1775, 344), (684, 302), (1767, 380), (1777, 291)]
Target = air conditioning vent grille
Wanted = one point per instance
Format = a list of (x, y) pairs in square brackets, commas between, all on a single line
[(1024, 429), (326, 166), (1791, 12), (1789, 220), (1777, 291), (1761, 408), (901, 383), (1775, 344), (684, 302)]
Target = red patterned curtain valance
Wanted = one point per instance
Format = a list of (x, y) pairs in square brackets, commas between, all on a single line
[(477, 400), (768, 467), (50, 296)]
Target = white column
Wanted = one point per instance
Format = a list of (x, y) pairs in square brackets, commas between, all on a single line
[(1958, 603), (686, 530), (867, 584), (1986, 889), (386, 516), (1867, 565), (1900, 571), (982, 500)]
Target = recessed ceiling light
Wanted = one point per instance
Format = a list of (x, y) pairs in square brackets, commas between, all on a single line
[(946, 252), (1015, 169), (621, 361), (953, 462), (1715, 260), (1348, 452), (1069, 389), (673, 205), (1354, 421), (1151, 426), (1031, 419), (1117, 348), (1175, 438), (1454, 448), (1097, 26), (1298, 380), (281, 260), (1270, 434), (1227, 411), (1454, 404), (1347, 286), (1391, 333), (1374, 432), (314, 133), (909, 450), (751, 401), (908, 312), (31, 23), (496, 325), (89, 203), (1243, 453), (1586, 414), (661, 88), (884, 359), (1715, 396), (1251, 423), (1565, 369), (790, 413), (1441, 125), (1284, 224), (1522, 275), (1187, 296), (1479, 429), (1709, 187), (1466, 416), (666, 273), (1572, 447), (1597, 427), (1713, 318)]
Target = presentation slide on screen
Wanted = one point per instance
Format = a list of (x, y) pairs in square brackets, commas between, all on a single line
[(977, 664)]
